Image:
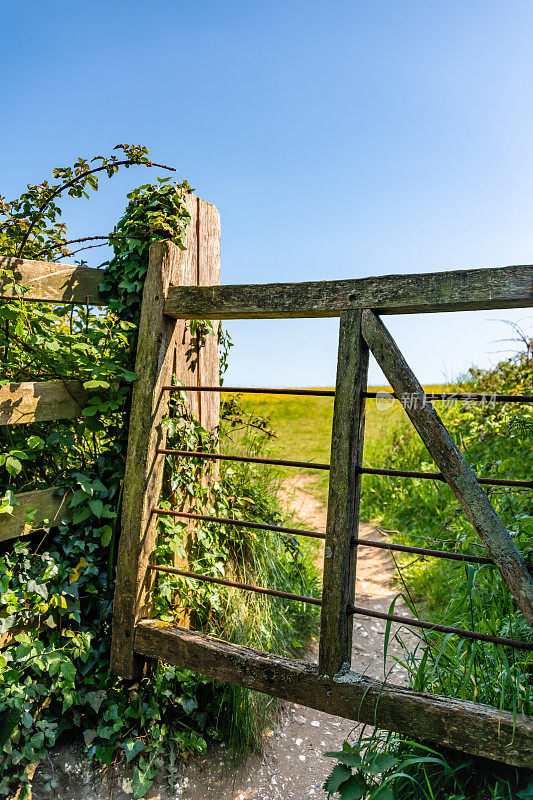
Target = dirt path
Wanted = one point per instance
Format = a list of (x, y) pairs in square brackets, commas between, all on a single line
[(292, 765)]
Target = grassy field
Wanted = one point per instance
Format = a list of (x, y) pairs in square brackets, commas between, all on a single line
[(303, 429)]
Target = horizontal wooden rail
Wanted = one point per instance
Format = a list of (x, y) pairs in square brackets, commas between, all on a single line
[(458, 290), (56, 283), (459, 724), (40, 402), (51, 509)]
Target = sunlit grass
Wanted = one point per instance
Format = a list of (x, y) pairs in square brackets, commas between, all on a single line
[(303, 429)]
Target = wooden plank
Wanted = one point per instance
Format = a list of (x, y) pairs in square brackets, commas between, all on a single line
[(209, 275), (58, 283), (193, 364), (460, 724), (158, 337), (344, 493), (51, 509), (459, 290), (40, 402), (451, 463), (144, 467)]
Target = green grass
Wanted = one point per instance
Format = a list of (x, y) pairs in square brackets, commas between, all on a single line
[(303, 430)]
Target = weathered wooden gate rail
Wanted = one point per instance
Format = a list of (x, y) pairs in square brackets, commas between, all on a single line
[(44, 401), (331, 685)]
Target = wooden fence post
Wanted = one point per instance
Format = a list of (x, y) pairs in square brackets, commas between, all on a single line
[(344, 493), (158, 338)]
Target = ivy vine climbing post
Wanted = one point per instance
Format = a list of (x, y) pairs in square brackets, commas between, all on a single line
[(161, 350)]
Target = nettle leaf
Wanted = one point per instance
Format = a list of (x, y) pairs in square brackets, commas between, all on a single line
[(354, 788), (95, 384), (338, 776), (81, 515), (96, 507)]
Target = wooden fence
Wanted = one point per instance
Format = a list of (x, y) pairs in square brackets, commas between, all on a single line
[(45, 401), (182, 285), (331, 685)]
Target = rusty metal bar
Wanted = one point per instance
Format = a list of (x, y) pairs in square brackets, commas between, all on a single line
[(239, 523), (252, 390), (247, 586), (418, 623), (474, 396), (394, 473), (437, 476), (403, 548), (247, 459)]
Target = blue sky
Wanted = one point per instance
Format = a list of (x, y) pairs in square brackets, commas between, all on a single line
[(337, 140)]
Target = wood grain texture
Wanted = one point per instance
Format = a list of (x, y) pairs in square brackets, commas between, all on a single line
[(144, 467), (209, 275), (344, 493), (51, 507), (451, 463), (58, 283), (195, 365), (461, 290), (40, 402), (163, 344), (463, 725)]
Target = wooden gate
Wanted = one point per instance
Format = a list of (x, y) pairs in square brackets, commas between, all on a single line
[(330, 685)]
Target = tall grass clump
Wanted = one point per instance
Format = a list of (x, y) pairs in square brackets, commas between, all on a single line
[(497, 440), (395, 768), (247, 492)]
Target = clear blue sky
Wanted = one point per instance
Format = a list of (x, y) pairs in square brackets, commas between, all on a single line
[(339, 139)]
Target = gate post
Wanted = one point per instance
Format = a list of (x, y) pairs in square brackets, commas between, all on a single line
[(158, 338), (338, 591)]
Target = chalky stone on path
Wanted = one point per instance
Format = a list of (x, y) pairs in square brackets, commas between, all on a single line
[(292, 765)]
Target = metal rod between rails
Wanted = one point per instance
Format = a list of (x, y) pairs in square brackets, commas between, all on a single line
[(251, 390), (423, 551), (438, 476), (246, 459), (418, 623), (239, 523), (248, 586), (466, 396), (351, 609), (393, 473)]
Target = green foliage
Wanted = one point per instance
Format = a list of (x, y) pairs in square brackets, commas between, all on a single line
[(57, 586), (496, 442), (394, 768)]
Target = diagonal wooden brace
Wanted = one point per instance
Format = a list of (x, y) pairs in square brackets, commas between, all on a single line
[(451, 462)]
